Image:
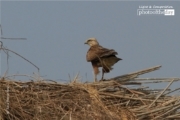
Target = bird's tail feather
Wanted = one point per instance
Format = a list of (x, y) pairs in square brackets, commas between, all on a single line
[(108, 62)]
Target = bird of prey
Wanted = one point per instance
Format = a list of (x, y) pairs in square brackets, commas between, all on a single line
[(100, 57)]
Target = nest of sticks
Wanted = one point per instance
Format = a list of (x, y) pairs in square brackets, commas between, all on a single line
[(112, 99)]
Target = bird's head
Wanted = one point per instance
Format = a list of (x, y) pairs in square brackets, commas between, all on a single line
[(91, 42)]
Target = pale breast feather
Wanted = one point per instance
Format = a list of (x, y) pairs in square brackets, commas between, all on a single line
[(91, 55)]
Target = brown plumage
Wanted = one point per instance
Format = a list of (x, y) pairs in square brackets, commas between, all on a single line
[(100, 57)]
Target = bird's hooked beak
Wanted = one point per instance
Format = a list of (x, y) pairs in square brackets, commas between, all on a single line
[(86, 42)]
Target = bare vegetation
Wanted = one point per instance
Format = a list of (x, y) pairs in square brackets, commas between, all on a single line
[(113, 99)]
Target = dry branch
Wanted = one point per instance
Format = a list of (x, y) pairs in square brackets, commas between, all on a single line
[(133, 75), (105, 100)]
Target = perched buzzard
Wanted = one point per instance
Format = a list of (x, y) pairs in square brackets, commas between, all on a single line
[(100, 57)]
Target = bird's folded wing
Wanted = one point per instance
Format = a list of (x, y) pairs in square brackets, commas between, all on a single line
[(96, 52)]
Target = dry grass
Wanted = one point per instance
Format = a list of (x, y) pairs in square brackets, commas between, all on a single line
[(104, 100), (45, 101)]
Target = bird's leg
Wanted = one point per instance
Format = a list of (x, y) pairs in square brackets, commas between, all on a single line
[(102, 74), (95, 78), (96, 71)]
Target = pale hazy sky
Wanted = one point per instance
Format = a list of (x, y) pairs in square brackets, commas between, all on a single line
[(56, 32)]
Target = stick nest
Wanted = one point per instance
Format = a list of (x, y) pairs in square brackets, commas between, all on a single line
[(105, 100)]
